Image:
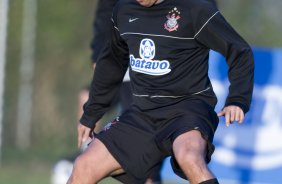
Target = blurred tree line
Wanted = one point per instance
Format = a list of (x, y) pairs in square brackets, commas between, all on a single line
[(62, 66), (258, 21)]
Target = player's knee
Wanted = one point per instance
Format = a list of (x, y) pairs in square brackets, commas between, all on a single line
[(81, 164), (188, 157), (83, 172), (78, 162), (190, 144), (189, 154)]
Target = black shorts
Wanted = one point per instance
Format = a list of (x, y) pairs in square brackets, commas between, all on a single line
[(140, 140)]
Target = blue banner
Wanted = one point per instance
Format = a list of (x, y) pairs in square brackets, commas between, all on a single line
[(251, 152)]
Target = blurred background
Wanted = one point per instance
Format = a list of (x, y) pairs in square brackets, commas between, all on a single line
[(45, 62)]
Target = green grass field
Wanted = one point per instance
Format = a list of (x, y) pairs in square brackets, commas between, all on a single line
[(34, 172), (25, 173), (31, 173)]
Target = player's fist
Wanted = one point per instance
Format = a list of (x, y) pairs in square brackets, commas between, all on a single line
[(83, 134)]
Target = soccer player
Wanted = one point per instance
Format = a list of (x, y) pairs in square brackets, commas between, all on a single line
[(166, 44), (102, 34)]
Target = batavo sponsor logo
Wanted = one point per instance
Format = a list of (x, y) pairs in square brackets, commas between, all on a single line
[(146, 63)]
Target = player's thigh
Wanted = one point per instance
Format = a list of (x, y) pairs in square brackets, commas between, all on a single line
[(97, 159)]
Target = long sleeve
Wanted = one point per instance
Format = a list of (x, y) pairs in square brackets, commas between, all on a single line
[(111, 67), (215, 33), (101, 27)]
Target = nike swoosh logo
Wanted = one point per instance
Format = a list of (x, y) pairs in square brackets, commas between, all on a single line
[(132, 20)]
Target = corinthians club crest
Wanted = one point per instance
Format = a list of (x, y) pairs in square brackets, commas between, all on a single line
[(171, 24)]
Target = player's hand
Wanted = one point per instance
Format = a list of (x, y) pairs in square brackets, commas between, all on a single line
[(232, 113), (83, 134)]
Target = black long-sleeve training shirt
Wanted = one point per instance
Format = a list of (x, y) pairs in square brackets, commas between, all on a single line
[(167, 48)]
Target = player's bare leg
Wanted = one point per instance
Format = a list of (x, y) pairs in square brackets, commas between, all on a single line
[(94, 164), (190, 150)]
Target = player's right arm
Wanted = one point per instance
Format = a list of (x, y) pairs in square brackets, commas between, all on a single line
[(110, 69)]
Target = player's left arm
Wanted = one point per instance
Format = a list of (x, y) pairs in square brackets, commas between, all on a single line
[(218, 35)]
